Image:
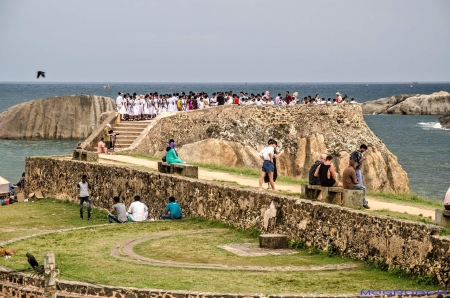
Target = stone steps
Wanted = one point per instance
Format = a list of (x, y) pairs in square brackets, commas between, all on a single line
[(128, 132)]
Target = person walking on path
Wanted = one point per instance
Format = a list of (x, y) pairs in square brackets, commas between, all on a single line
[(358, 158), (173, 210), (276, 154), (83, 194), (267, 168)]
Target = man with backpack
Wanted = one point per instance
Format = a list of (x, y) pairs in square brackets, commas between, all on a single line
[(358, 158)]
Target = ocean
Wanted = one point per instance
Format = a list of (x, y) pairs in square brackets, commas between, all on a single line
[(420, 144)]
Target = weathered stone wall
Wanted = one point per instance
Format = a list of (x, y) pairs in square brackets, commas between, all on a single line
[(360, 235), (233, 135)]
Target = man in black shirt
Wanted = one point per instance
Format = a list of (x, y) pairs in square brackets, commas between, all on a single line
[(220, 99), (315, 180)]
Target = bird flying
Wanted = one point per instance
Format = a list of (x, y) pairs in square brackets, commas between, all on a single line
[(40, 73)]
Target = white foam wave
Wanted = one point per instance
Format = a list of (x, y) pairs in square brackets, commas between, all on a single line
[(430, 125)]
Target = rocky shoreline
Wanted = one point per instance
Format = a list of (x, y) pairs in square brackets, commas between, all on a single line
[(444, 120), (437, 103), (59, 117)]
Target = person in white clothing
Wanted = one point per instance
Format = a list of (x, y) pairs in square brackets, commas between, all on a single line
[(137, 211), (268, 167), (83, 193), (119, 102)]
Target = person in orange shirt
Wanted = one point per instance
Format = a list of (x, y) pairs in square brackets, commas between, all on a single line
[(101, 148)]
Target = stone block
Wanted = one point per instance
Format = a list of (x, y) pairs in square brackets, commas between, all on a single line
[(273, 241), (353, 198), (84, 155), (310, 191), (186, 170), (164, 167), (442, 217)]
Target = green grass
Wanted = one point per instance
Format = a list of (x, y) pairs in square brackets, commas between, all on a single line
[(85, 255), (36, 216), (410, 199), (404, 215)]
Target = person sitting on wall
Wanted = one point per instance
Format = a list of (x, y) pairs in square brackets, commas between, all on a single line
[(137, 211), (119, 209), (171, 156), (312, 180), (327, 174), (101, 148), (173, 210), (350, 182)]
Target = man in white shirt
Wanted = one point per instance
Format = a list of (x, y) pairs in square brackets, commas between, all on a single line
[(268, 167), (119, 102), (138, 211)]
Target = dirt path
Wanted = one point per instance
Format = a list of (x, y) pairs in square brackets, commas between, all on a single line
[(375, 204)]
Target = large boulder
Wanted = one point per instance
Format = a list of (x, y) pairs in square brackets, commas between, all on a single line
[(408, 104), (444, 120), (60, 117), (233, 135)]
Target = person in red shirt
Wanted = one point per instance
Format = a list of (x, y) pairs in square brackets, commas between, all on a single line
[(288, 98)]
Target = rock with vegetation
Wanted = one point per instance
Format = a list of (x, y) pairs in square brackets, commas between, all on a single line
[(409, 104), (60, 117), (444, 120), (233, 135)]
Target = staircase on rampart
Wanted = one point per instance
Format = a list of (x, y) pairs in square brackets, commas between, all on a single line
[(128, 132)]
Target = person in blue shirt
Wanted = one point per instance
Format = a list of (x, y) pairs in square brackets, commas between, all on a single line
[(171, 156), (173, 210)]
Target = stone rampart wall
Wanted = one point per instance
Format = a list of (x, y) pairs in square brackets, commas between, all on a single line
[(414, 246)]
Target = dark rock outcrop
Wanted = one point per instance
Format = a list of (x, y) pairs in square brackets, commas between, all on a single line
[(444, 120), (60, 117), (409, 104)]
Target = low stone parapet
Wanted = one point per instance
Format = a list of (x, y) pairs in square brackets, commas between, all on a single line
[(84, 155), (352, 198), (178, 168), (442, 217)]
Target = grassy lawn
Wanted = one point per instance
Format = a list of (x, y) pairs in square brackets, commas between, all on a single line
[(85, 255)]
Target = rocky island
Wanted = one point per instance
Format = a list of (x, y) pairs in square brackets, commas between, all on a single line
[(233, 135), (437, 103), (59, 117)]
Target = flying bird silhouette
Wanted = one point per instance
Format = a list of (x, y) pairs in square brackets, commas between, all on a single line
[(40, 73)]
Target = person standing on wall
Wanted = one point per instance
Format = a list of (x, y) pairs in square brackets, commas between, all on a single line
[(358, 158), (83, 194)]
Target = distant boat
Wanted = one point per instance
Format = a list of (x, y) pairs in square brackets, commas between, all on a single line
[(106, 87), (412, 86)]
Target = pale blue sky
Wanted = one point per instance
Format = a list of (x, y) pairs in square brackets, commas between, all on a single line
[(225, 41)]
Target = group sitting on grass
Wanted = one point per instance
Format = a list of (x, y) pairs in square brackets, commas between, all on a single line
[(138, 211)]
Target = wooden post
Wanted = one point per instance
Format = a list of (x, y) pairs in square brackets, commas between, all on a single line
[(50, 272)]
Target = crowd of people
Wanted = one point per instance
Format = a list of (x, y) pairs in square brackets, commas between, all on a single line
[(144, 107)]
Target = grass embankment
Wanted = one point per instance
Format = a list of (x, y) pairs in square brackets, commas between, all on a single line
[(85, 255)]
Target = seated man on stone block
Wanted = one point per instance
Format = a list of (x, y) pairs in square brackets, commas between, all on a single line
[(350, 182), (173, 210)]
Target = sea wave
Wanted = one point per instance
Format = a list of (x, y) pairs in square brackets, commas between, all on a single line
[(431, 125)]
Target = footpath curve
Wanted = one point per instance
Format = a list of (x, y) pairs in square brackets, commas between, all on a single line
[(209, 175)]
